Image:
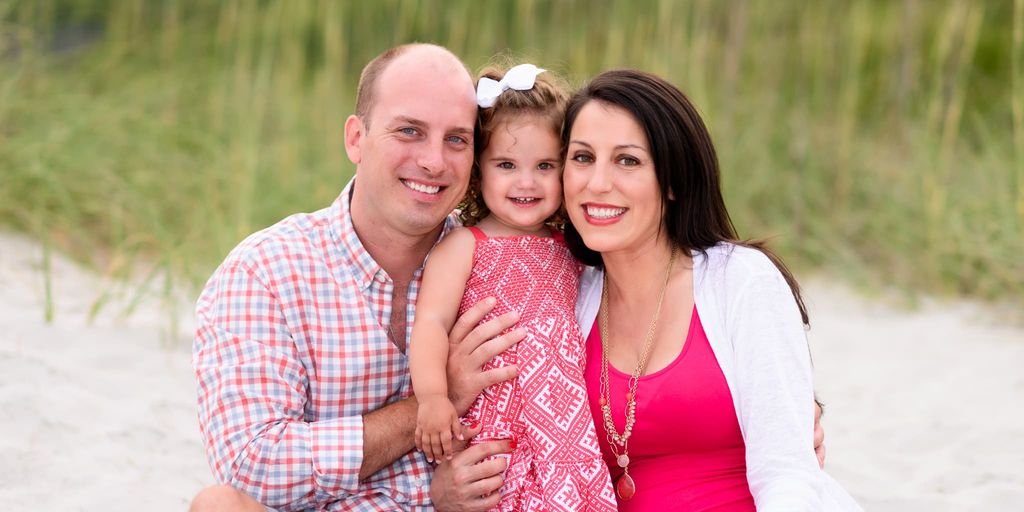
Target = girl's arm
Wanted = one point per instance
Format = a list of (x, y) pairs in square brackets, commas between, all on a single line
[(444, 281), (437, 306)]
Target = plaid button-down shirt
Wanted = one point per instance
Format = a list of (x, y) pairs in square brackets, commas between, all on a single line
[(291, 350)]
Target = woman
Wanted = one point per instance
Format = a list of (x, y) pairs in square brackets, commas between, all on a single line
[(698, 372)]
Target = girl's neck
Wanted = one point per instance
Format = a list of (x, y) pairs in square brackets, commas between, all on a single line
[(494, 227)]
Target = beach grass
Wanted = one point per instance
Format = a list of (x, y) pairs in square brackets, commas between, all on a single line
[(878, 141)]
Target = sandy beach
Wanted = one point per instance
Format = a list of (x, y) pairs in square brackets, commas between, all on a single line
[(922, 406)]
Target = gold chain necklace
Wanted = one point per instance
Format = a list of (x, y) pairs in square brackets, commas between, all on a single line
[(625, 488)]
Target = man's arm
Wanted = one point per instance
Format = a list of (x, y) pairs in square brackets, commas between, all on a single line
[(387, 435), (819, 433), (388, 431), (252, 389)]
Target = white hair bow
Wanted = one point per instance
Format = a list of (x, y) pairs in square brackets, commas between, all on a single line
[(520, 78)]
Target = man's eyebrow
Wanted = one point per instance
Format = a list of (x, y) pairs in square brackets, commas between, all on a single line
[(461, 130), (409, 120)]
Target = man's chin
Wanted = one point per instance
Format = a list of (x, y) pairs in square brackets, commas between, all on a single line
[(426, 222)]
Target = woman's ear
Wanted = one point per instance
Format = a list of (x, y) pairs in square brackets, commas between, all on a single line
[(355, 130)]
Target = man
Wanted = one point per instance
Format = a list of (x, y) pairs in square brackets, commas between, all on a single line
[(304, 392)]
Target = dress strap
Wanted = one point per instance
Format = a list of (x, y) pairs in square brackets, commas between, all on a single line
[(477, 233)]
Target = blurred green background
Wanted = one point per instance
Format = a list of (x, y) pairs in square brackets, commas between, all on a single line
[(878, 141)]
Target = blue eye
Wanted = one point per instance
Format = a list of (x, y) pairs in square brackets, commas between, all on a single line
[(583, 158), (506, 165), (628, 161)]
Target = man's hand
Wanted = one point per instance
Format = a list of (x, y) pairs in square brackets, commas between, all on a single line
[(819, 435), (471, 346), (468, 482)]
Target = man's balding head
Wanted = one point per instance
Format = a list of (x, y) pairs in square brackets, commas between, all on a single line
[(421, 53), (411, 139)]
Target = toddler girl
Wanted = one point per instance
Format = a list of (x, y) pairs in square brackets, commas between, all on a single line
[(511, 249)]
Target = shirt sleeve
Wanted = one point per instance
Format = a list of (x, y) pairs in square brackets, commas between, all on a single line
[(252, 392), (775, 402)]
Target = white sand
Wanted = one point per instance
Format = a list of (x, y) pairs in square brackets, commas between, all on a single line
[(96, 416), (923, 407)]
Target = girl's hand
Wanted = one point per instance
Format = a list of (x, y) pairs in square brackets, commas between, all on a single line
[(436, 425)]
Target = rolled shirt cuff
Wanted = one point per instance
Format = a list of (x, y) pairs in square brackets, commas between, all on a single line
[(337, 454)]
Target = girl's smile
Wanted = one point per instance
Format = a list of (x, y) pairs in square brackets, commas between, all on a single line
[(521, 176)]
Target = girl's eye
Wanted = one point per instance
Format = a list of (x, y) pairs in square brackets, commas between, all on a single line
[(582, 158), (506, 165), (546, 166)]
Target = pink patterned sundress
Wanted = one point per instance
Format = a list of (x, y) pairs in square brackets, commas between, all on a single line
[(556, 464)]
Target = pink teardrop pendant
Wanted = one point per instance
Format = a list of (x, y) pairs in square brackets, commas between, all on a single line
[(624, 488)]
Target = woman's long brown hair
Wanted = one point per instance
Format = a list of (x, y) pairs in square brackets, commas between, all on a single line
[(684, 160)]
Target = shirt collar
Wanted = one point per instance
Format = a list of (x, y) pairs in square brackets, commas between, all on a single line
[(360, 264)]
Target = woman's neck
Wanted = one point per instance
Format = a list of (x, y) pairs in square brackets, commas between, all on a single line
[(635, 278)]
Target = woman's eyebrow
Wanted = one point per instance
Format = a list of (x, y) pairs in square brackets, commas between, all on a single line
[(617, 148)]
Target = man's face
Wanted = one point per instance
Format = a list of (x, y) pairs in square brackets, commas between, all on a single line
[(414, 152)]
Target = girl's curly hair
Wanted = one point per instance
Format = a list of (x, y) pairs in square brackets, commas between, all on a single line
[(547, 100)]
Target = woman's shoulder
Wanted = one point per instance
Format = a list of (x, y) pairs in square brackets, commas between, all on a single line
[(734, 261)]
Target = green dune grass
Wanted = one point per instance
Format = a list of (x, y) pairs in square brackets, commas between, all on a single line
[(881, 141)]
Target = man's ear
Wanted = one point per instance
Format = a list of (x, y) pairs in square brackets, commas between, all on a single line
[(355, 130)]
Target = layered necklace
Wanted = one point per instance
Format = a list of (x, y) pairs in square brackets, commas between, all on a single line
[(625, 488)]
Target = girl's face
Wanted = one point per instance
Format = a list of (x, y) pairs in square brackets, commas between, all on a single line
[(521, 174), (611, 190)]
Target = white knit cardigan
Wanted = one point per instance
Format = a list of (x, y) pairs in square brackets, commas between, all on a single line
[(753, 326)]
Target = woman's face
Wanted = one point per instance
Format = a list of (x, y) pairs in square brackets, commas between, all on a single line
[(611, 190)]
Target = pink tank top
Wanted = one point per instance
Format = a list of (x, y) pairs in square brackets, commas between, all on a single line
[(686, 449)]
